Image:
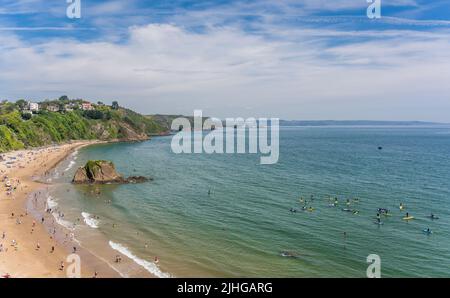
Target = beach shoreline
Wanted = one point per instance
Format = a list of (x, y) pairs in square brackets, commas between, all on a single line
[(27, 248)]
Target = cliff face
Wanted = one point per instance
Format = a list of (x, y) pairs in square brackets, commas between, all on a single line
[(102, 172)]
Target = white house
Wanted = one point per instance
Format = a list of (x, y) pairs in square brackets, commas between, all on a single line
[(33, 106), (87, 106)]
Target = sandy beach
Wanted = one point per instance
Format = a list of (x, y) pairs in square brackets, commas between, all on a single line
[(26, 247)]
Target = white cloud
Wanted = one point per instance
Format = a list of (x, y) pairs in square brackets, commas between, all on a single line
[(227, 72)]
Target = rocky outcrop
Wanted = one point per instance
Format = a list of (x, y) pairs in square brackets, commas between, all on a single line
[(103, 172)]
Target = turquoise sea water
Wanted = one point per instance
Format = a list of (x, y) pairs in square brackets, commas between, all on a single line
[(240, 229)]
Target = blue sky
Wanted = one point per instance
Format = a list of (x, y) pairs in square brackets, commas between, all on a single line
[(304, 59)]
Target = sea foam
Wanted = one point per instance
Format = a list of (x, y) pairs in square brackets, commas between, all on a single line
[(149, 266), (53, 204), (89, 220), (71, 164)]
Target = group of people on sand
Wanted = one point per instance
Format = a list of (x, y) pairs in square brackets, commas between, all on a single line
[(14, 245), (9, 185)]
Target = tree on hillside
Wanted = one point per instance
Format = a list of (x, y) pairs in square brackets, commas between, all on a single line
[(93, 114), (61, 106), (26, 116), (21, 104), (115, 105), (64, 98)]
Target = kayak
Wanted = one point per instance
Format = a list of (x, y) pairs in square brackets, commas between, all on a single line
[(408, 218), (433, 217)]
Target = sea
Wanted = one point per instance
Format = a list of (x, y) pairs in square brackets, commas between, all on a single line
[(312, 214)]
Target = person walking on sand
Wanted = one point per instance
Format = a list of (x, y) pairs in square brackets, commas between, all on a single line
[(118, 259)]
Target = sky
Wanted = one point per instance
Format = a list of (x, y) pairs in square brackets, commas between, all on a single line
[(291, 59)]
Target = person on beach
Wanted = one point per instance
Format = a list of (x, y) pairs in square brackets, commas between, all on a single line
[(118, 259)]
